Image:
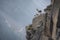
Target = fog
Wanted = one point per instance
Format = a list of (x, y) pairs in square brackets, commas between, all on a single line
[(5, 32), (14, 15)]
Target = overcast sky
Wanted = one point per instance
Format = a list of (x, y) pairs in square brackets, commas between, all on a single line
[(22, 11), (19, 13)]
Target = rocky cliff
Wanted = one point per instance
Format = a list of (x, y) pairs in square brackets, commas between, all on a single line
[(46, 26), (35, 30)]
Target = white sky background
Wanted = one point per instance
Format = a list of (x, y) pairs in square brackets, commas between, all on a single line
[(19, 13)]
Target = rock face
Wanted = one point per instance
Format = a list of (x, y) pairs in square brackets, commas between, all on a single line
[(35, 30), (46, 26)]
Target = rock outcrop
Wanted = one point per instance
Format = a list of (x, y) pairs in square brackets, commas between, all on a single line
[(46, 26)]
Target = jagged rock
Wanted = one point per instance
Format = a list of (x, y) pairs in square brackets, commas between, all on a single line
[(46, 26)]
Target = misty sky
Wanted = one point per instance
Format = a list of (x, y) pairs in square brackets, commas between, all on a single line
[(19, 13), (22, 11)]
